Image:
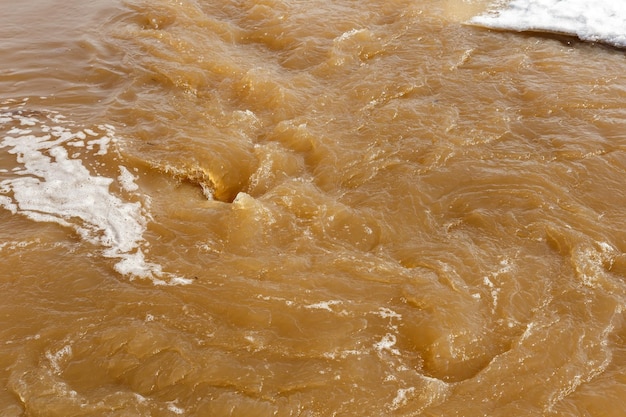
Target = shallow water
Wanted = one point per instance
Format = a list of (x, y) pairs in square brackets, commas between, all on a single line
[(307, 209)]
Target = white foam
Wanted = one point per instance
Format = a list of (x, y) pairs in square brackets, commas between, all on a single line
[(127, 180), (103, 144), (323, 305), (175, 409), (57, 358), (350, 33), (387, 343), (597, 21), (13, 245), (388, 313), (344, 353), (50, 186), (402, 397)]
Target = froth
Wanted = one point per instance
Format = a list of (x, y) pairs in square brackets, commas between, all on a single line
[(50, 185), (602, 21)]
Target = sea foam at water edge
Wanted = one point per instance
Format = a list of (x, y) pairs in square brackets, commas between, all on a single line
[(50, 183), (598, 21)]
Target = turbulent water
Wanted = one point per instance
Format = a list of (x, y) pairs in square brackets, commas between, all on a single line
[(307, 208)]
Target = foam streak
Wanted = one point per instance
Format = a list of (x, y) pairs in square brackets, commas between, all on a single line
[(50, 186)]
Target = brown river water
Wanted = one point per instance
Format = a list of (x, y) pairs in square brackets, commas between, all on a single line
[(307, 208)]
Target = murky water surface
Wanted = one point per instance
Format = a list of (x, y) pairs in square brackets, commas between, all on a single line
[(289, 208)]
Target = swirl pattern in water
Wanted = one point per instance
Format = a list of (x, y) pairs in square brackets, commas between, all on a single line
[(358, 209)]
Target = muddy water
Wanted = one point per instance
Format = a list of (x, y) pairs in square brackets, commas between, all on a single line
[(307, 209)]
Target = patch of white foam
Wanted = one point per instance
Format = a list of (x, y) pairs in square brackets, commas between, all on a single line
[(387, 343), (402, 397), (18, 245), (344, 353), (597, 21), (388, 313), (48, 185), (590, 262), (175, 409), (127, 180), (57, 358), (323, 305), (350, 33)]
